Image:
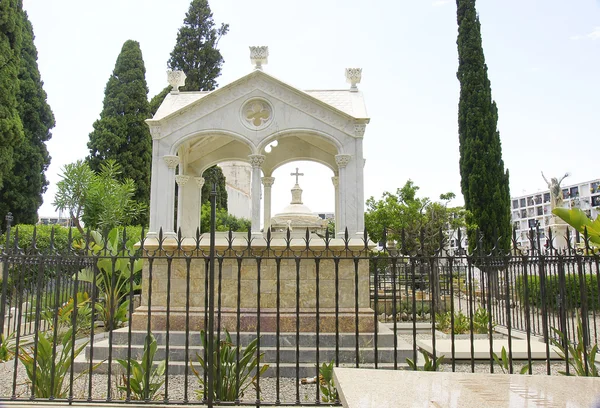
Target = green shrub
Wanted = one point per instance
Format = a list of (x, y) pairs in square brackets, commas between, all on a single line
[(50, 369), (572, 291), (578, 355), (145, 380), (226, 369), (329, 393), (43, 234), (462, 325)]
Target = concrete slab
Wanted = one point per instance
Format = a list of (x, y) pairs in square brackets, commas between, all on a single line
[(360, 388), (482, 349)]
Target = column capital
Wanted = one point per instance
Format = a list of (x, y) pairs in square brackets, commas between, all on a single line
[(359, 129), (336, 181), (171, 161), (181, 179), (268, 181), (342, 160), (199, 181), (256, 160)]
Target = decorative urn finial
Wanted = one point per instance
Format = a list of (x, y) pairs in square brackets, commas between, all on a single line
[(176, 79), (353, 77), (259, 55)]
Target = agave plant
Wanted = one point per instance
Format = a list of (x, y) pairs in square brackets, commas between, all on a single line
[(113, 278), (145, 380), (50, 369), (231, 378)]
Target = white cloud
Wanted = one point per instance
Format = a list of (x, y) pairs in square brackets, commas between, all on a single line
[(593, 35), (440, 3)]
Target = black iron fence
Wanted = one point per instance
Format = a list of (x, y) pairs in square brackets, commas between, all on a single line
[(250, 320)]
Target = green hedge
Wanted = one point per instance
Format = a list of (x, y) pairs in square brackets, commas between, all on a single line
[(572, 291)]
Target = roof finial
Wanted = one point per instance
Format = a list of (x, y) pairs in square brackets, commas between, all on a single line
[(176, 79), (259, 55), (353, 76)]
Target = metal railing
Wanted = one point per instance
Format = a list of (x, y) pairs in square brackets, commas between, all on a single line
[(80, 325)]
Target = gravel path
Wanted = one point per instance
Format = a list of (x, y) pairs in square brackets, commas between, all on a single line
[(176, 387)]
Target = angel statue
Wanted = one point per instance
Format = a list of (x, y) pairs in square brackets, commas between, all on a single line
[(556, 195)]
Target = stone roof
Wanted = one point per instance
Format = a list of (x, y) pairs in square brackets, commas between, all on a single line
[(346, 101)]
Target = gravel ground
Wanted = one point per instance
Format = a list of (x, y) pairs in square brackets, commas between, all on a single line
[(176, 387)]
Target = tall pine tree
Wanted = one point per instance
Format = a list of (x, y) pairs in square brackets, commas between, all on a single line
[(11, 128), (484, 182), (121, 133), (24, 186), (196, 54), (196, 51)]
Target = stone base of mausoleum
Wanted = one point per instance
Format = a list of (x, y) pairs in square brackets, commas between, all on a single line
[(289, 322)]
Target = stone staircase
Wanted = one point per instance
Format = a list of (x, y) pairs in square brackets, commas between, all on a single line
[(307, 352)]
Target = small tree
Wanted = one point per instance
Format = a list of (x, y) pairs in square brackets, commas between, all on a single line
[(405, 217), (99, 200)]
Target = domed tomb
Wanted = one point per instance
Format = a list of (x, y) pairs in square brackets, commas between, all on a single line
[(297, 216)]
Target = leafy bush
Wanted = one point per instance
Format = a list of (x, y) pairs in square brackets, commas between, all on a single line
[(504, 362), (226, 369), (113, 281), (144, 380), (572, 291), (328, 391), (50, 370), (224, 221), (64, 316), (462, 324), (578, 354), (430, 364), (7, 347), (43, 235)]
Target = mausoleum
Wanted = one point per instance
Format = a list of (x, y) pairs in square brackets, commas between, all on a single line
[(192, 131)]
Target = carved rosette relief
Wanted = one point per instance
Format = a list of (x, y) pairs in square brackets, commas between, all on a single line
[(176, 79), (257, 114), (342, 160), (171, 161), (256, 160), (359, 129), (181, 180), (268, 181), (199, 181)]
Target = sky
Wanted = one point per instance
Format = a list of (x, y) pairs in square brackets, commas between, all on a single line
[(543, 60)]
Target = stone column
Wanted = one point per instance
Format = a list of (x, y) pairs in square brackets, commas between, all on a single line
[(267, 183), (163, 207), (183, 208), (336, 185), (198, 208), (256, 161), (342, 161)]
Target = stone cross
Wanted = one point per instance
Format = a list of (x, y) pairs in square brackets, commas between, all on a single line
[(296, 174)]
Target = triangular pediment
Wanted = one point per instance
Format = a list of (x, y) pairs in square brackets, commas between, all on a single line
[(336, 107)]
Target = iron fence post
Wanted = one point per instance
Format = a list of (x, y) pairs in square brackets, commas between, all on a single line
[(211, 296), (9, 220)]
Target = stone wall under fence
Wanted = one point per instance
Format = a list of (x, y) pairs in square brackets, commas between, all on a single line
[(235, 274)]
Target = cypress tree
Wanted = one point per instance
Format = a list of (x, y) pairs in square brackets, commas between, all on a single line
[(24, 186), (121, 133), (484, 182), (196, 51), (11, 128), (215, 175)]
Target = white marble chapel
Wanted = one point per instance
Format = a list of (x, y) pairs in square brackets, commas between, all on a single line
[(193, 131)]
